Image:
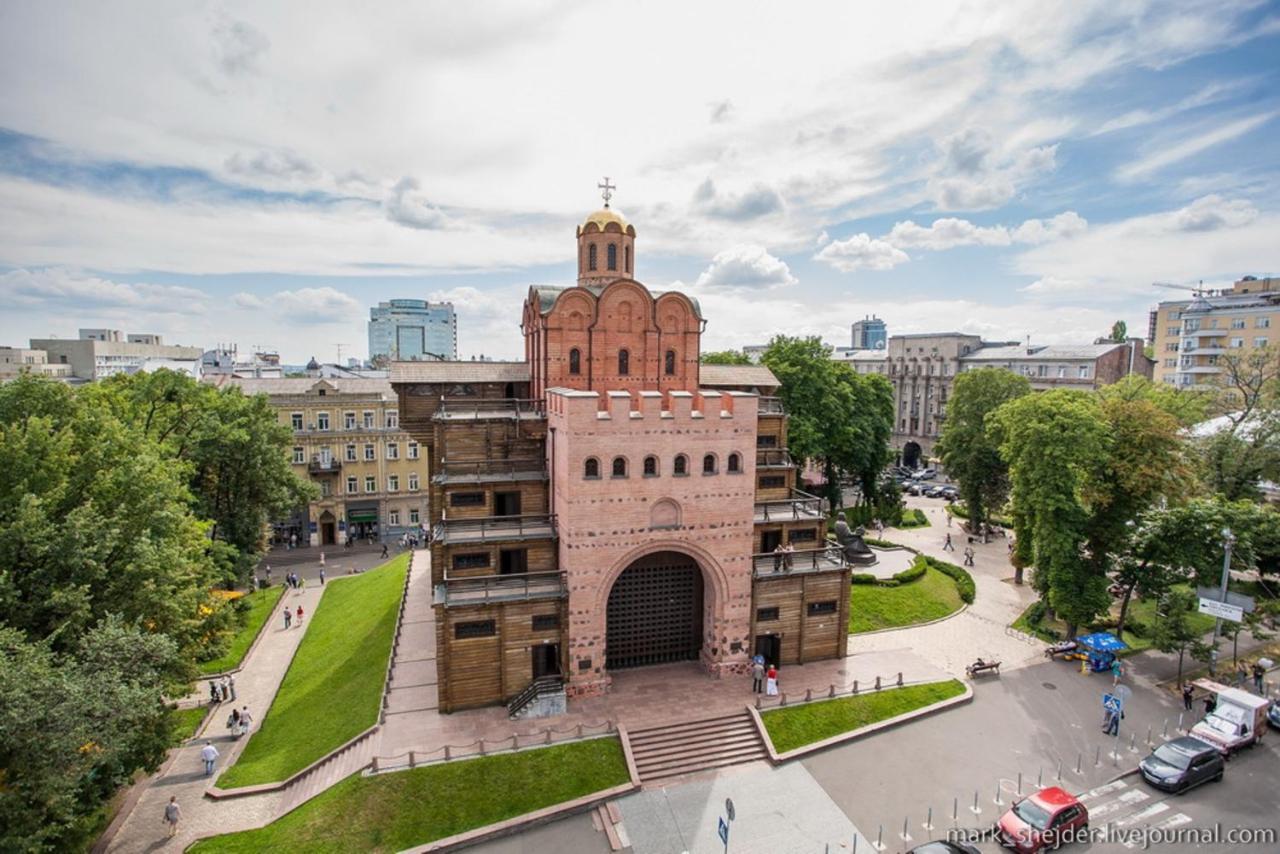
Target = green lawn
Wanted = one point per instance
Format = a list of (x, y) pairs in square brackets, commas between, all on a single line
[(261, 603), (186, 722), (1142, 612), (391, 812), (333, 690), (913, 517), (873, 607), (796, 726)]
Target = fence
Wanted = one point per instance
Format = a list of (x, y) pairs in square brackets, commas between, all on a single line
[(488, 747), (765, 702)]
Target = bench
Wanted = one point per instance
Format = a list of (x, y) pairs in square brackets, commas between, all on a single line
[(976, 669)]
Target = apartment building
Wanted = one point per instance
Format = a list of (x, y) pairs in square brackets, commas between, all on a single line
[(24, 360), (100, 353), (1190, 337)]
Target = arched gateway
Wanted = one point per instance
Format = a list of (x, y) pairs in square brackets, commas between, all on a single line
[(655, 612)]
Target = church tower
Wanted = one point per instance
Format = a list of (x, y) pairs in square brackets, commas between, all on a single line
[(606, 245)]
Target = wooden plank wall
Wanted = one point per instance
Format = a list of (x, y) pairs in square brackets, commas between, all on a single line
[(484, 671), (804, 638)]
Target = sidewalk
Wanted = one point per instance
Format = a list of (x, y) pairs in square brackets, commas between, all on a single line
[(256, 685)]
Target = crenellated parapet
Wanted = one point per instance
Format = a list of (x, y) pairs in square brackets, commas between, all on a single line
[(670, 409)]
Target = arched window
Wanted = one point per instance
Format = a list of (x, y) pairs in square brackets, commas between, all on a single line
[(650, 466), (681, 465), (669, 364), (619, 466), (735, 463), (627, 256), (613, 256), (709, 464), (624, 363), (592, 468), (575, 361), (591, 257)]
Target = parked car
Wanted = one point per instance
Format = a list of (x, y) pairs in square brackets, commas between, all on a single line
[(940, 846), (927, 474), (1237, 720), (1273, 714), (1182, 763), (949, 492), (914, 487), (1041, 821), (935, 491)]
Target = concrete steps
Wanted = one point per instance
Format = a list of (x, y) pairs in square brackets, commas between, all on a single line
[(691, 746)]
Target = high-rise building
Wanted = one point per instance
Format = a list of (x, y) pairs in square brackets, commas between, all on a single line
[(1190, 337), (870, 333), (413, 330)]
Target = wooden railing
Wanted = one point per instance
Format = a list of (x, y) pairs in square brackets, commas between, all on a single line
[(478, 589), (773, 458), (800, 506), (498, 407), (495, 527), (490, 468), (770, 406), (829, 558)]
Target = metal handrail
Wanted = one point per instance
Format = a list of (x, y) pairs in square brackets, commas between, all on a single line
[(318, 465), (505, 525), (773, 457), (801, 505), (520, 584), (770, 406), (534, 690), (823, 558)]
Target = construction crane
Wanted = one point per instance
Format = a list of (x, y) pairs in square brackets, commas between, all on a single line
[(1199, 290)]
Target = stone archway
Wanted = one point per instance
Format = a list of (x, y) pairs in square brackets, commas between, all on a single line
[(911, 455), (655, 612)]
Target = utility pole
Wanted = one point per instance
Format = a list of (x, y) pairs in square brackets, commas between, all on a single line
[(1228, 540)]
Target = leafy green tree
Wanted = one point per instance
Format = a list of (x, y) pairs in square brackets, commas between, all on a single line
[(968, 451), (1173, 630), (725, 357), (1245, 446), (1187, 407), (1119, 331)]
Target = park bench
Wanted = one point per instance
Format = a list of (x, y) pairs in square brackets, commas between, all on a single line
[(979, 667)]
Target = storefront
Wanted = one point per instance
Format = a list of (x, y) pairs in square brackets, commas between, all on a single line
[(362, 522)]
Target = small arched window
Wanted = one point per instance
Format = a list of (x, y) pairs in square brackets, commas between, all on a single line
[(669, 363), (735, 463), (681, 465), (627, 256), (619, 466), (650, 466), (591, 469), (624, 363), (613, 256), (591, 257), (575, 361), (709, 464)]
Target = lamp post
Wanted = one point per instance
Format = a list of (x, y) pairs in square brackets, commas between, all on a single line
[(1228, 540)]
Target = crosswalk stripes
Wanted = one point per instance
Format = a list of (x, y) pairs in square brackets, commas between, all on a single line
[(1126, 807)]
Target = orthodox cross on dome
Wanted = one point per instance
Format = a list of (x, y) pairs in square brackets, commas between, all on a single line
[(606, 190)]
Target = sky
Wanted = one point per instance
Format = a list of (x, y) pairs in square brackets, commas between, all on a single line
[(262, 173)]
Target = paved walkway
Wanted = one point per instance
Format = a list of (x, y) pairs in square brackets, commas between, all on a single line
[(256, 685)]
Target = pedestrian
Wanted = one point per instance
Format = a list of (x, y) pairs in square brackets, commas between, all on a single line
[(1117, 671), (322, 577), (1210, 703), (213, 693), (946, 544), (880, 527), (246, 720), (293, 541), (172, 815), (322, 558), (226, 689), (1113, 723), (233, 722), (231, 683), (757, 677), (209, 754), (268, 575), (1259, 674), (771, 681), (288, 618), (1011, 547), (299, 615), (777, 558), (1187, 691), (384, 549), (788, 555)]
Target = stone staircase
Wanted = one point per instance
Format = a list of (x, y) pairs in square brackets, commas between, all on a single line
[(352, 757), (669, 751)]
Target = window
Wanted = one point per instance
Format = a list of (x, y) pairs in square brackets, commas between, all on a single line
[(414, 516), (575, 361), (352, 487), (591, 257), (709, 464), (1262, 323), (1238, 323), (650, 466), (624, 363), (613, 256), (413, 481), (393, 483), (348, 421), (369, 452), (324, 488), (772, 441), (296, 419), (591, 468), (393, 419), (627, 255), (1171, 347), (1174, 330), (1084, 372), (681, 466), (1260, 342), (1237, 343), (466, 499), (322, 421), (471, 560), (619, 466), (545, 622), (1175, 315), (370, 484), (368, 419), (1171, 363), (735, 463), (299, 456), (351, 453), (767, 615), (393, 450), (773, 481), (413, 450), (669, 363), (817, 609), (803, 535), (393, 517), (476, 629)]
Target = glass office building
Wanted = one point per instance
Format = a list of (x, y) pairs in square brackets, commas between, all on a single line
[(413, 330)]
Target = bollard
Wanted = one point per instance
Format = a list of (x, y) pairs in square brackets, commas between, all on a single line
[(928, 822), (514, 743), (373, 766), (1040, 779), (782, 699), (1132, 749), (955, 810), (447, 757), (899, 678), (757, 702), (1148, 735), (905, 836), (1115, 754), (975, 808), (410, 760), (877, 683), (1079, 758), (1180, 721), (880, 839), (1097, 756), (1059, 777), (808, 694), (1019, 784), (855, 686), (579, 730), (855, 843), (832, 693), (548, 735), (1165, 732), (998, 801)]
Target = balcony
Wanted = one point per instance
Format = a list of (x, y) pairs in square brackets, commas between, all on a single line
[(483, 471), (320, 466), (491, 409), (800, 507), (516, 587), (827, 558), (540, 526), (770, 406), (1203, 333), (773, 458)]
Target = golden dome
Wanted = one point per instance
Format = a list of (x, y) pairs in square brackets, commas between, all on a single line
[(604, 216)]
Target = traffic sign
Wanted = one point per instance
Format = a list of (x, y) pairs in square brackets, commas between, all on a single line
[(1245, 603), (728, 808), (1122, 693), (723, 830), (1112, 703), (1221, 610)]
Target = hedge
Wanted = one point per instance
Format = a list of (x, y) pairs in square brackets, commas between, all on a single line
[(913, 518), (964, 581), (862, 578), (958, 509), (914, 572)]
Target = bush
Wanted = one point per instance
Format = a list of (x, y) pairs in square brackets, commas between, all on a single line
[(912, 573), (913, 518), (880, 544), (888, 582), (862, 578), (964, 581)]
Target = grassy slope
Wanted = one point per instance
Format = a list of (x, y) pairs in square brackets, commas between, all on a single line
[(333, 689), (872, 607), (796, 726), (261, 603), (391, 812)]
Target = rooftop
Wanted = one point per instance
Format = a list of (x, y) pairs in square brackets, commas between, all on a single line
[(459, 372), (547, 294), (714, 376), (303, 385), (1040, 352)]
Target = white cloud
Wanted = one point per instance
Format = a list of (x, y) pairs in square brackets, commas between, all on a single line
[(406, 205), (238, 47), (1173, 152), (58, 289), (746, 266), (758, 201), (1065, 225), (280, 163), (303, 305), (973, 173), (861, 251), (1213, 212), (946, 233)]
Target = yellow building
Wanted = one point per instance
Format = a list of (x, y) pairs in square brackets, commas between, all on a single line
[(1191, 337), (372, 476)]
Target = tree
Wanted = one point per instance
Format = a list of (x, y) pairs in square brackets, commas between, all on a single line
[(1173, 630), (726, 357), (969, 452), (1119, 331), (1243, 448), (1187, 407)]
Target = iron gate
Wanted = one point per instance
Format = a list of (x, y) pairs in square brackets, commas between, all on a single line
[(655, 612)]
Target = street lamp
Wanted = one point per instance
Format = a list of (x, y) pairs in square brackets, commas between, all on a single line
[(1228, 540)]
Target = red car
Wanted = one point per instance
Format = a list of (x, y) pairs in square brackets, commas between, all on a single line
[(1042, 821)]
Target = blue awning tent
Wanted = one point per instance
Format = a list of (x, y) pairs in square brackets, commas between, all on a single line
[(1102, 642)]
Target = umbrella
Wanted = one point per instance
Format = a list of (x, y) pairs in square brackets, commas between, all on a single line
[(1102, 642)]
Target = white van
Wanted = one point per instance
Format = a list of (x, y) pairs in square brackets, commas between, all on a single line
[(1238, 720)]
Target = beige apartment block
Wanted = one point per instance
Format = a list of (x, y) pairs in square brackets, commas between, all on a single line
[(101, 353), (24, 360), (372, 476), (1191, 337)]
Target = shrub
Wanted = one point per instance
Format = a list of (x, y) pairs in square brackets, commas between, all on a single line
[(912, 573), (964, 581), (862, 578), (880, 544), (913, 518), (888, 582)]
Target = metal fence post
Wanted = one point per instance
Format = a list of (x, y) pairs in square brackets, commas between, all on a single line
[(855, 686), (482, 747), (411, 760), (447, 757), (998, 801), (899, 678), (1097, 756), (877, 683), (373, 765), (1019, 782)]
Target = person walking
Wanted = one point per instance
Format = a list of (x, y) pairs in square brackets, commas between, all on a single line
[(1209, 705), (322, 577), (226, 689), (233, 722), (213, 693), (1112, 723), (322, 558), (757, 677), (1117, 671), (947, 545), (384, 549), (231, 683), (288, 618), (771, 681), (1187, 691), (1259, 676), (246, 720), (172, 815), (209, 754), (299, 615)]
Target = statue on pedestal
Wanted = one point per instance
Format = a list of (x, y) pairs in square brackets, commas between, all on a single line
[(854, 548)]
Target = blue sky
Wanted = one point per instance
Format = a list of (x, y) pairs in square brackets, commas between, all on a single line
[(232, 172)]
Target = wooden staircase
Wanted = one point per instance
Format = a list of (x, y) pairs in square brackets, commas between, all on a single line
[(685, 748)]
